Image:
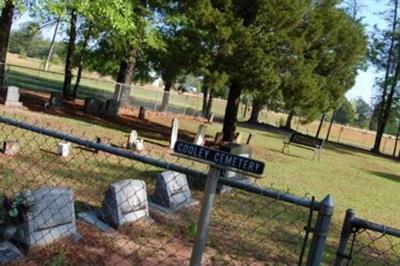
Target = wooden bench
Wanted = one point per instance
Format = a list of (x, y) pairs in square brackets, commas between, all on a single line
[(304, 141)]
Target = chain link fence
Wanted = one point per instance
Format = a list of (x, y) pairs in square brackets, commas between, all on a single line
[(251, 225), (366, 243)]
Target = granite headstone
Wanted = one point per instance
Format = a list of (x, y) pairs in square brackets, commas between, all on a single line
[(200, 135), (174, 132)]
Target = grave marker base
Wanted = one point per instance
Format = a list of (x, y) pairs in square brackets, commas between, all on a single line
[(154, 206), (9, 253)]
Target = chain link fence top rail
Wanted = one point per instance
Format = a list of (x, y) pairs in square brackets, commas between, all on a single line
[(366, 243), (250, 225)]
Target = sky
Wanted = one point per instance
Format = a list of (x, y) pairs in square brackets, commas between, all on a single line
[(364, 84)]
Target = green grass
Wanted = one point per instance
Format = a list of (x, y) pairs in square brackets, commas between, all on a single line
[(367, 183)]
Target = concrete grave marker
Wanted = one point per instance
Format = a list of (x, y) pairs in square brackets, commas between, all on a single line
[(172, 192), (210, 118), (12, 97), (92, 106), (174, 132), (200, 135), (50, 216), (9, 253), (250, 139), (64, 148), (112, 107), (55, 99), (238, 138), (218, 138), (11, 147), (142, 113), (132, 139), (125, 202)]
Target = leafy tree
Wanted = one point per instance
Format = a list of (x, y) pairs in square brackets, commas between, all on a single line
[(385, 55), (345, 113), (363, 113), (6, 18)]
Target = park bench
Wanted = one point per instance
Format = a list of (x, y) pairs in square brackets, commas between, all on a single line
[(304, 141)]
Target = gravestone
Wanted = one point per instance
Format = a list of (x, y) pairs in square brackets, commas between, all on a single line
[(11, 147), (9, 253), (12, 97), (174, 132), (64, 148), (242, 150), (50, 216), (125, 202), (132, 139), (112, 107), (139, 144), (210, 118), (142, 113), (218, 138), (55, 99), (92, 106), (172, 190), (250, 139), (238, 138), (200, 135)]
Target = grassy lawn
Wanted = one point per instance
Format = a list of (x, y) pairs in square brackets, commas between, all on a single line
[(366, 183)]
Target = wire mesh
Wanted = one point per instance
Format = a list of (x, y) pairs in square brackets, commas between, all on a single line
[(246, 228)]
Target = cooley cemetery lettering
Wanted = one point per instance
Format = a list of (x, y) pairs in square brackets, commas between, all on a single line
[(219, 158)]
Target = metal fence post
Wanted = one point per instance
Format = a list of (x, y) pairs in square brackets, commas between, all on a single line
[(321, 230), (344, 237), (205, 216)]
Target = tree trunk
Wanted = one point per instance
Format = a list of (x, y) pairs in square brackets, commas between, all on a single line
[(231, 112), (6, 20), (124, 78), (320, 126), (165, 99), (381, 107), (330, 125), (205, 100), (255, 111), (209, 104), (81, 60), (68, 61), (289, 120), (51, 49)]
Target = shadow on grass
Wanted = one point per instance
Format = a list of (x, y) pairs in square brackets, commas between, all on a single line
[(389, 176)]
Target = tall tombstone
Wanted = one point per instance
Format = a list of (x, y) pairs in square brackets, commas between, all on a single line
[(50, 216), (132, 139), (92, 106), (64, 148), (218, 138), (200, 135), (55, 99), (172, 190), (238, 138), (174, 132), (12, 97), (210, 118), (250, 139), (112, 107), (242, 150), (142, 113), (125, 202)]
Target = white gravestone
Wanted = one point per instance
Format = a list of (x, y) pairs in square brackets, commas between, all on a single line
[(12, 96), (132, 139), (125, 202), (200, 135), (174, 132), (63, 148)]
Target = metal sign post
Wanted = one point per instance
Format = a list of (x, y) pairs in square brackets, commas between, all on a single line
[(217, 160), (205, 216)]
